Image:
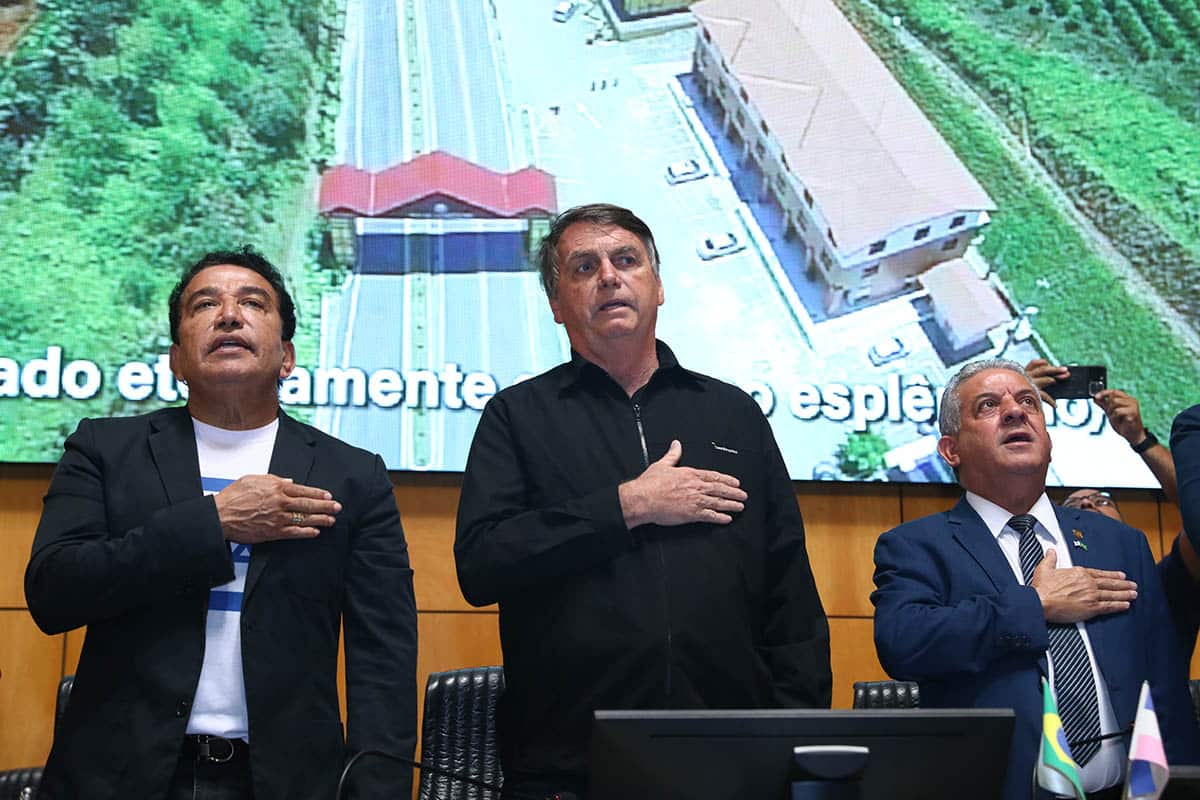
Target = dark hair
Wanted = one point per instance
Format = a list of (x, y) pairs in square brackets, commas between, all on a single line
[(595, 214), (249, 259)]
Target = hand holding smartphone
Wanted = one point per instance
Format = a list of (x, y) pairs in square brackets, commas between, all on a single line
[(1083, 382)]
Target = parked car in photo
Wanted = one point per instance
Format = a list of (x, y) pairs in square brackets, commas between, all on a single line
[(563, 10), (886, 350), (826, 471), (715, 245), (684, 171)]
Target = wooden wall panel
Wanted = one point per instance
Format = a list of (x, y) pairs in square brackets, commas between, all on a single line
[(921, 501), (21, 491), (852, 651), (428, 513), (30, 666), (456, 639), (74, 646), (1141, 510), (1170, 521), (841, 527)]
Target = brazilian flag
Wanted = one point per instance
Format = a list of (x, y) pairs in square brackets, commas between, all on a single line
[(1056, 770)]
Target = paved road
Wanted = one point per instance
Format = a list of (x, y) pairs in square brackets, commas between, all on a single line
[(371, 112), (445, 65), (465, 84)]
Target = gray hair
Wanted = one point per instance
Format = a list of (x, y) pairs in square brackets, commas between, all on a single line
[(950, 410), (595, 214)]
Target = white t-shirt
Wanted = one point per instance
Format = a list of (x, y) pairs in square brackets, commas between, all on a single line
[(219, 707)]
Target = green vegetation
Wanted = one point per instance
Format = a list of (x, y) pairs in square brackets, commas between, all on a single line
[(1087, 313), (135, 136), (862, 454), (1126, 157)]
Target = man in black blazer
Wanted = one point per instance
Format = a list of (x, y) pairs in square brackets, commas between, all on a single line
[(213, 595)]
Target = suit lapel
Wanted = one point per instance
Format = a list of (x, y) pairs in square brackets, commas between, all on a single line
[(1082, 546), (968, 529), (979, 542), (173, 448), (291, 458)]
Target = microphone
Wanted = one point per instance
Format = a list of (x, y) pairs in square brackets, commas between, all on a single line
[(448, 773), (1114, 735)]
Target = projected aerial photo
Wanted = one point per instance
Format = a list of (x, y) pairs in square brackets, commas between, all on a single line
[(850, 199)]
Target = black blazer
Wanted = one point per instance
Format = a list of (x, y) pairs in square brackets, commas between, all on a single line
[(129, 546)]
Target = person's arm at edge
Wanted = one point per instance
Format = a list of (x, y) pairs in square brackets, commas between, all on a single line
[(380, 629), (1161, 463), (1180, 588), (919, 636), (1185, 450), (1125, 416), (796, 634), (501, 544), (79, 572)]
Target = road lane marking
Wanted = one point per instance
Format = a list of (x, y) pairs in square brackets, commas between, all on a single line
[(428, 103), (402, 66), (464, 83), (583, 112), (353, 283)]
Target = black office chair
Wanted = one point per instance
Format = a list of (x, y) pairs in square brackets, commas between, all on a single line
[(459, 733), (22, 783), (887, 694)]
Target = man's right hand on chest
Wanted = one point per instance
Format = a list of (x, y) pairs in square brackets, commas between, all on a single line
[(1077, 594), (668, 494), (261, 508)]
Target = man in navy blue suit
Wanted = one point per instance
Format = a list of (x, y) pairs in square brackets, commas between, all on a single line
[(980, 602)]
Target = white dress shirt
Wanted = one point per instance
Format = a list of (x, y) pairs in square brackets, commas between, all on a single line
[(1105, 768)]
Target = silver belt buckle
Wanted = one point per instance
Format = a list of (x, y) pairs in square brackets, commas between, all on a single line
[(205, 749)]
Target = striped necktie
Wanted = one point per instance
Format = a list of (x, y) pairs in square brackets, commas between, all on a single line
[(1074, 683)]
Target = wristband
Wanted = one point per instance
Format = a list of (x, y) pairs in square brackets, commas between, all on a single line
[(1145, 444)]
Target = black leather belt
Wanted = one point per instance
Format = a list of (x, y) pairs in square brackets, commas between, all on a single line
[(215, 749)]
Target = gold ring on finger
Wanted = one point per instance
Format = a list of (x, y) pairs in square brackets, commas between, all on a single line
[(297, 518)]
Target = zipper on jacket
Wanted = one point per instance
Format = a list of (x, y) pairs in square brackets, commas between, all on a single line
[(637, 417), (662, 560)]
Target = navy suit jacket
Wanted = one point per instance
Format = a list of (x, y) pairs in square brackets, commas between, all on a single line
[(950, 613), (1181, 588), (129, 546)]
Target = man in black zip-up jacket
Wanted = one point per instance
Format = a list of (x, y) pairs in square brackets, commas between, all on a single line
[(635, 522)]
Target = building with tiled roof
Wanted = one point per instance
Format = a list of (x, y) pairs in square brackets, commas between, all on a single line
[(865, 181)]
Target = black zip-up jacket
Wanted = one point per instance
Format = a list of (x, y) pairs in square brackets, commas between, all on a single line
[(596, 616)]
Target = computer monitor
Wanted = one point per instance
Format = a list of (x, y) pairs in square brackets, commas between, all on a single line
[(1184, 784), (915, 754)]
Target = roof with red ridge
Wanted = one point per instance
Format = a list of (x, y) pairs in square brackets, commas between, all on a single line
[(347, 190)]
